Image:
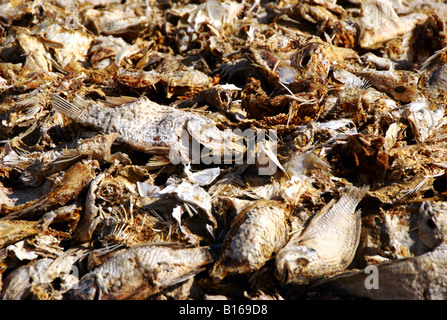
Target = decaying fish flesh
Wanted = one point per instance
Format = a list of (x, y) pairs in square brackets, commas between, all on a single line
[(73, 182), (327, 244), (142, 271), (258, 232)]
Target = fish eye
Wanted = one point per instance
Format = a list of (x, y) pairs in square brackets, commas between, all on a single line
[(305, 60), (400, 89), (302, 262)]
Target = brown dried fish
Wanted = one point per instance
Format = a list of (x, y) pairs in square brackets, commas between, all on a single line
[(141, 271), (400, 84), (326, 245), (257, 233), (71, 185), (12, 231)]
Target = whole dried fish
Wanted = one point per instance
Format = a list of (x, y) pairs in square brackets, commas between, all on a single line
[(327, 244), (258, 232), (148, 126), (141, 271)]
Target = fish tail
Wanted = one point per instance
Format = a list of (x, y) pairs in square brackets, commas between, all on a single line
[(68, 109)]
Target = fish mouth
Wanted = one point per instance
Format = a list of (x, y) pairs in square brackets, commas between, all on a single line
[(284, 273)]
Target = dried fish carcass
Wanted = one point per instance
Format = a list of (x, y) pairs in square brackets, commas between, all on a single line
[(128, 21), (256, 234), (150, 127), (433, 79), (327, 244), (37, 279), (417, 278), (141, 271), (73, 182)]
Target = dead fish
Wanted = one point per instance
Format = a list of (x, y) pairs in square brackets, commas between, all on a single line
[(432, 223), (37, 279), (400, 84), (258, 232), (141, 271), (73, 182), (36, 166), (70, 45), (326, 245), (417, 278), (186, 192), (150, 127), (12, 231), (19, 283)]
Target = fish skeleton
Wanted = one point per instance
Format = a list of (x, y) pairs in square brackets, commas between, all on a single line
[(141, 271), (149, 127), (326, 245)]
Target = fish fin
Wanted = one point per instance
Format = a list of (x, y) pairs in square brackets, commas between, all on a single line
[(158, 161), (67, 156), (68, 109), (11, 159), (81, 102), (432, 61), (356, 193)]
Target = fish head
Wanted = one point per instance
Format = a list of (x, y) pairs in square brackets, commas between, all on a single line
[(432, 223), (293, 264), (85, 289)]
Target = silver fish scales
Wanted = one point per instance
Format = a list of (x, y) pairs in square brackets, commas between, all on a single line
[(141, 271), (150, 127), (326, 245)]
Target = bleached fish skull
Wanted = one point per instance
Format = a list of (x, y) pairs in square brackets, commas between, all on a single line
[(293, 264)]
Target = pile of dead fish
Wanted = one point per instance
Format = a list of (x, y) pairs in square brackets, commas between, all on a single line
[(223, 149)]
